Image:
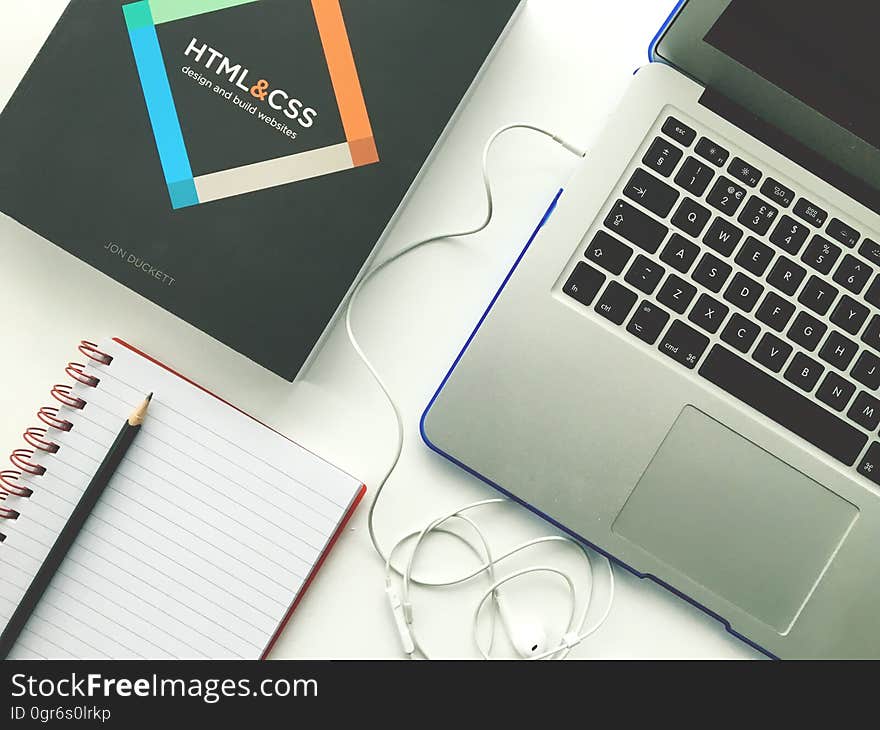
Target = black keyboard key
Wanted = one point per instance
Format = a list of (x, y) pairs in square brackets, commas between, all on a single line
[(691, 217), (684, 344), (754, 256), (807, 331), (789, 235), (644, 274), (676, 294), (616, 303), (694, 176), (636, 227), (708, 313), (835, 392), (712, 152), (818, 295), (740, 332), (584, 283), (711, 272), (651, 192), (745, 172), (775, 311), (838, 351), (853, 274), (679, 131), (609, 253), (872, 296), (865, 411), (821, 255), (772, 352), (804, 372), (662, 157), (722, 236), (810, 212), (758, 215), (840, 231), (783, 405), (871, 335), (870, 250), (849, 315), (648, 322), (786, 275), (726, 196), (680, 253), (867, 370), (869, 466), (777, 192), (743, 292)]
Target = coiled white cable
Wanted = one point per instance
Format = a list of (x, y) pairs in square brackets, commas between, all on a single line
[(402, 605)]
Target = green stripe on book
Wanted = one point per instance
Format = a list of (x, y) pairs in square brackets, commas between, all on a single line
[(165, 11)]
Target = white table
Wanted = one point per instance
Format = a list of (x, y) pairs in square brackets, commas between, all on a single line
[(563, 67)]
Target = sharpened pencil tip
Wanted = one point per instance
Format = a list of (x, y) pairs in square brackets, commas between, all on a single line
[(137, 418), (149, 397)]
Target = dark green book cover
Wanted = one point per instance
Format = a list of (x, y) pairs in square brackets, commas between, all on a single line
[(236, 161)]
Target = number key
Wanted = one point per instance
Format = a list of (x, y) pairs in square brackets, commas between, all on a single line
[(726, 196), (758, 215), (662, 157), (821, 255), (694, 176), (852, 274), (789, 235)]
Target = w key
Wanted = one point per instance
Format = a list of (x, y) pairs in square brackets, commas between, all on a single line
[(651, 192)]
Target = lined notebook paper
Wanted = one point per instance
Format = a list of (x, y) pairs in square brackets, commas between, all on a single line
[(203, 542)]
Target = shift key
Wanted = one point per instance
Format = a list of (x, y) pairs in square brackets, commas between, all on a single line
[(636, 227)]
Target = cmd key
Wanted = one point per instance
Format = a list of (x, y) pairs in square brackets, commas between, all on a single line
[(636, 227)]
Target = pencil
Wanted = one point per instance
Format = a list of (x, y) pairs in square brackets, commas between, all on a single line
[(70, 531)]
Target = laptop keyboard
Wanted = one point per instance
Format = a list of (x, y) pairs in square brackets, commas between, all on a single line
[(748, 282)]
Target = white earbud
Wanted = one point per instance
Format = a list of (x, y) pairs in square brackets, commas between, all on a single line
[(527, 636)]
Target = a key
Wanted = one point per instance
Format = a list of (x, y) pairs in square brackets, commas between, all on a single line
[(835, 391), (609, 253), (694, 176), (772, 352), (869, 466), (743, 292), (871, 335), (810, 212), (679, 131), (745, 172), (786, 275), (648, 322), (807, 331), (849, 315), (740, 333), (754, 256), (722, 236), (691, 217), (804, 372), (584, 284), (726, 196), (775, 311), (777, 192), (821, 255), (684, 344), (853, 274), (778, 402), (867, 370), (680, 253), (711, 152), (758, 215), (838, 351), (711, 272), (644, 274), (662, 157), (651, 193), (616, 303), (789, 235), (708, 313), (636, 227), (865, 411), (818, 295), (840, 231), (676, 294)]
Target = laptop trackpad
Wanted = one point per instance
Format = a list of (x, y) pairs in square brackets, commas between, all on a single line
[(735, 519)]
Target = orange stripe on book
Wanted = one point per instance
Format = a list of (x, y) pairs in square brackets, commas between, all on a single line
[(363, 152), (343, 72)]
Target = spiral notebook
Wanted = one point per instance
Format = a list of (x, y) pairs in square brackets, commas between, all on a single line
[(205, 540)]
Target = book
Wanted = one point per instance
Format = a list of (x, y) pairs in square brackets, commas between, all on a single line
[(237, 161), (204, 541)]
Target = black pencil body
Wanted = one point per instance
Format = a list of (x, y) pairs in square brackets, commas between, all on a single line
[(66, 538)]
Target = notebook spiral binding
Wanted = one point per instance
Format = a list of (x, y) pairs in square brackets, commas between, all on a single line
[(38, 438)]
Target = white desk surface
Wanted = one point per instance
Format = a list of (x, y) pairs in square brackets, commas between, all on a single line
[(563, 67)]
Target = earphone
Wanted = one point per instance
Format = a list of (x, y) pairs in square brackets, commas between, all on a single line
[(528, 637)]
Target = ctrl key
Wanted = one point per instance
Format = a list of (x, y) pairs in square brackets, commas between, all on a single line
[(684, 345), (869, 466), (584, 283)]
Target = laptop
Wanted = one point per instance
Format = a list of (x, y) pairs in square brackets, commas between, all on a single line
[(682, 369)]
